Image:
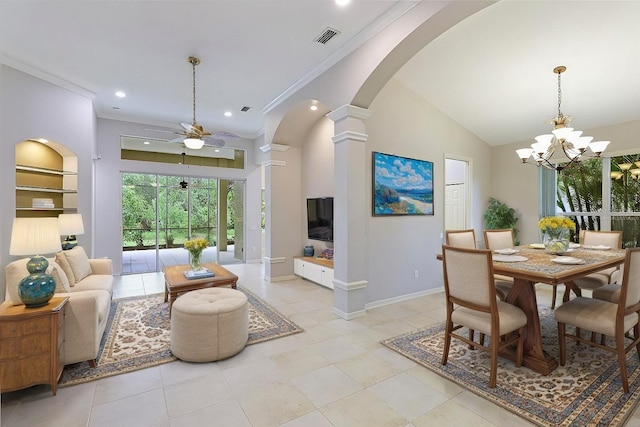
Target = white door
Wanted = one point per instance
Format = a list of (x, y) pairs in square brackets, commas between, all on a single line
[(456, 208)]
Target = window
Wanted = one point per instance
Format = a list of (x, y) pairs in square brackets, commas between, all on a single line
[(603, 194)]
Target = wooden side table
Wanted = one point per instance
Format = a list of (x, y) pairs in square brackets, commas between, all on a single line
[(31, 345)]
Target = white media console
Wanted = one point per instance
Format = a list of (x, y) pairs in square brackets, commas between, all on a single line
[(318, 270)]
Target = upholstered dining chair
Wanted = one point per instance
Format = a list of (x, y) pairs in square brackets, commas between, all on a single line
[(607, 318), (461, 238), (471, 302), (589, 238), (500, 239)]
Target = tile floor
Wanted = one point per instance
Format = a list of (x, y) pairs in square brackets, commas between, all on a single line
[(334, 374)]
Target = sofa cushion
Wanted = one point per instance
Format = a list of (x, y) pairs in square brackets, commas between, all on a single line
[(62, 283), (79, 262), (61, 259), (95, 282)]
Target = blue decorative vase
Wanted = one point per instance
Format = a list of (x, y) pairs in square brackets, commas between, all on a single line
[(38, 287), (308, 251)]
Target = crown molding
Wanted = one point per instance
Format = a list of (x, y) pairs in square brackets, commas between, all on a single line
[(274, 163), (273, 147)]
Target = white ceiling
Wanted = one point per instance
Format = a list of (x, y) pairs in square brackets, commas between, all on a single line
[(491, 73)]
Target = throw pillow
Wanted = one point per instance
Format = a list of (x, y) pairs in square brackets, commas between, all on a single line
[(62, 283), (61, 260), (79, 262)]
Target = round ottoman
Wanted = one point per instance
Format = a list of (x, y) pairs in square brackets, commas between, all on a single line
[(209, 324)]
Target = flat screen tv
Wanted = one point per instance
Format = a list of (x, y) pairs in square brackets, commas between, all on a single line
[(320, 218)]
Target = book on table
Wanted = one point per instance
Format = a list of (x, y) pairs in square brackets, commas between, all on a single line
[(199, 274)]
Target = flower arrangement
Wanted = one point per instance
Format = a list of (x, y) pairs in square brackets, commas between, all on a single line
[(553, 225), (557, 230), (195, 248)]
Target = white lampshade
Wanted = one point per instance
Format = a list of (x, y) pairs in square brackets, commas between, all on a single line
[(599, 146), (193, 143), (562, 133), (34, 236), (581, 143), (70, 224), (524, 153)]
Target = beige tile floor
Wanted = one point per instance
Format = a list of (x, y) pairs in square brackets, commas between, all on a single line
[(334, 374)]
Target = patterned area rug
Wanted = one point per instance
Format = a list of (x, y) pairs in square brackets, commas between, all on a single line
[(587, 391), (137, 336)]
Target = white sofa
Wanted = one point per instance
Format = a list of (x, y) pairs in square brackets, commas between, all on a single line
[(89, 285)]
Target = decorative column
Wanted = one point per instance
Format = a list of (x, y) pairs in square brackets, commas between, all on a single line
[(350, 211), (283, 210)]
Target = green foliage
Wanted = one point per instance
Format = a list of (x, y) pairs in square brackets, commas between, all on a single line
[(500, 216)]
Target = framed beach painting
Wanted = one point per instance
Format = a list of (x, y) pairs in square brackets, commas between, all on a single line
[(401, 186)]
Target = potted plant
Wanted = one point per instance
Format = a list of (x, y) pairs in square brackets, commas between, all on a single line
[(500, 216)]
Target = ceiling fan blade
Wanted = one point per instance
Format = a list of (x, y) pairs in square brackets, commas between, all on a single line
[(188, 127), (214, 142), (223, 134), (166, 131)]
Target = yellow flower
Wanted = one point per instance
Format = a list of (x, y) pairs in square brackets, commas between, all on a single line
[(555, 222), (196, 245)]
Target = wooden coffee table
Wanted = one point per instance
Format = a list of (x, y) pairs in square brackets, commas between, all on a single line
[(175, 283)]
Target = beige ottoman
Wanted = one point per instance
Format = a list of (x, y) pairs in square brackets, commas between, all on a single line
[(209, 324)]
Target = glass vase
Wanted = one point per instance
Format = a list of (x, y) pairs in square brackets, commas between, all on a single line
[(195, 261), (557, 241)]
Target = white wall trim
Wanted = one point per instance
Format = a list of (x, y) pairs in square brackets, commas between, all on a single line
[(401, 298), (274, 163), (351, 136), (349, 316), (349, 111), (274, 260), (351, 286), (273, 147), (43, 75)]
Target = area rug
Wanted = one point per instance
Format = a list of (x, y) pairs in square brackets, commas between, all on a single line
[(587, 391), (137, 336)]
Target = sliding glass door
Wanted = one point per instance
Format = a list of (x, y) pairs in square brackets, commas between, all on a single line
[(161, 212)]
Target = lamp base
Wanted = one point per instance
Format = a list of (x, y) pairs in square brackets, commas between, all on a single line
[(37, 288)]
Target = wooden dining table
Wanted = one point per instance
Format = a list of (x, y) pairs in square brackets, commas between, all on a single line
[(539, 268)]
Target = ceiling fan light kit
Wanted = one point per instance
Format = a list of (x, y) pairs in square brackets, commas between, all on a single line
[(573, 144), (194, 136)]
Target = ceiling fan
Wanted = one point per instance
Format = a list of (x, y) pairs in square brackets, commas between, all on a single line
[(193, 135)]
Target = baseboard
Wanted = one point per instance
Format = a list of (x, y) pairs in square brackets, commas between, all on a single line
[(401, 298)]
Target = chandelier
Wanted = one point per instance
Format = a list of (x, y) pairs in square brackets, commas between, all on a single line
[(573, 144)]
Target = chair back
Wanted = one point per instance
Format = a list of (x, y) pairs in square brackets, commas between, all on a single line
[(498, 239), (612, 239), (461, 238), (468, 277), (630, 289)]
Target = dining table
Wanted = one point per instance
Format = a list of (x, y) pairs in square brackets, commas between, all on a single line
[(529, 265)]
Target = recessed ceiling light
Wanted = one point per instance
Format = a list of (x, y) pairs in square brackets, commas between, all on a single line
[(342, 2), (120, 94), (217, 150), (314, 108), (147, 143), (228, 114)]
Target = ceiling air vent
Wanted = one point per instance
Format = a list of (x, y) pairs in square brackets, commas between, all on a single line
[(245, 109), (327, 35)]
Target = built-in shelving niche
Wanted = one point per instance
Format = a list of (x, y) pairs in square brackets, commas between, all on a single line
[(45, 171)]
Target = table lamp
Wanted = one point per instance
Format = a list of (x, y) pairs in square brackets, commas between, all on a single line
[(70, 225), (35, 236)]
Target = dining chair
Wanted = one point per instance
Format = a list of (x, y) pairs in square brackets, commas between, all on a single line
[(471, 303), (607, 318), (461, 238), (500, 239), (612, 239)]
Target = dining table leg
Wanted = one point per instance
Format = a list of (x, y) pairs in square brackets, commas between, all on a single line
[(523, 295)]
